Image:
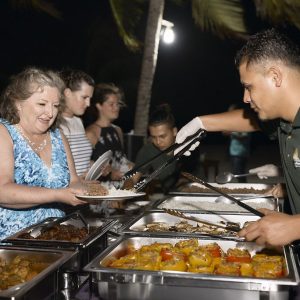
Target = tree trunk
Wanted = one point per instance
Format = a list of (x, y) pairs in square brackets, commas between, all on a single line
[(155, 15)]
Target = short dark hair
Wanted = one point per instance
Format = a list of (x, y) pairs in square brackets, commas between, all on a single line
[(74, 78), (266, 45), (162, 114)]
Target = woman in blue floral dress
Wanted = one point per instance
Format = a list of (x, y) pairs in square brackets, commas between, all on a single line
[(37, 169)]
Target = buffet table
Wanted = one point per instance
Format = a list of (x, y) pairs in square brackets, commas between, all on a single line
[(81, 269)]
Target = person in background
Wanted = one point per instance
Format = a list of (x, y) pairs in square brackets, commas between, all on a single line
[(77, 95), (104, 135), (37, 168), (269, 67), (162, 133), (239, 150)]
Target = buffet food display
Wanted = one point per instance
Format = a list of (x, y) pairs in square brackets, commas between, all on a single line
[(193, 256), (209, 204), (30, 273), (160, 223), (146, 267), (228, 188), (72, 231), (153, 255), (85, 238)]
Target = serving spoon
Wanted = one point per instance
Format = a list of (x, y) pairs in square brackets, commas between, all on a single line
[(227, 177)]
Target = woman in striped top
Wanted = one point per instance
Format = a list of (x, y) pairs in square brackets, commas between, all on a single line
[(77, 96)]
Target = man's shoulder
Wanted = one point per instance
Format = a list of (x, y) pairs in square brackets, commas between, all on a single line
[(149, 147), (146, 152)]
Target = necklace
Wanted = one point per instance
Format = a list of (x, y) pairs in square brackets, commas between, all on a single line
[(36, 148)]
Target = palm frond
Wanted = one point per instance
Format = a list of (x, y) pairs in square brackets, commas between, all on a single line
[(279, 12), (38, 5), (127, 14), (222, 17)]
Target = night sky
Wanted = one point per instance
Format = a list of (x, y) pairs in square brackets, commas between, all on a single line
[(196, 74)]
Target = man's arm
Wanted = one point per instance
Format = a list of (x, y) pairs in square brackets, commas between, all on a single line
[(239, 120)]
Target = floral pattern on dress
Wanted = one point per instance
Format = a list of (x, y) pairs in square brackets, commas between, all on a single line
[(30, 170)]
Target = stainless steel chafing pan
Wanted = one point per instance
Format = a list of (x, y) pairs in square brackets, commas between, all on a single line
[(140, 225), (113, 283), (237, 189), (86, 249), (75, 219), (45, 284), (207, 204)]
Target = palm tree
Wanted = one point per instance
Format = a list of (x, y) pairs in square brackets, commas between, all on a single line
[(155, 15), (225, 18)]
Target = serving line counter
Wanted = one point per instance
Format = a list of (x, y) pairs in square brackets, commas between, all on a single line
[(128, 284), (123, 284), (85, 272)]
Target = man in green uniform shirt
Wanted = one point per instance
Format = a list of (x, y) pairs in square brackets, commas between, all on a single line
[(162, 131), (269, 67)]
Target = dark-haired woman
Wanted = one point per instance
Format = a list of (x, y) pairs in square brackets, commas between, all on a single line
[(77, 95), (103, 134)]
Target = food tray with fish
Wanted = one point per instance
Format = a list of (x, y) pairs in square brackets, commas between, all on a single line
[(241, 189), (140, 267), (158, 223), (208, 204), (30, 273)]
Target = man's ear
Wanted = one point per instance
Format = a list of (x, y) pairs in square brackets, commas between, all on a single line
[(67, 92), (98, 106), (175, 130), (275, 74)]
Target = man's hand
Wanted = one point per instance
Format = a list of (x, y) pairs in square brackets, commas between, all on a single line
[(187, 130), (277, 229), (265, 171), (278, 190)]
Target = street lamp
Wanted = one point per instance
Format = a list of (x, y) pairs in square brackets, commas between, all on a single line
[(167, 32)]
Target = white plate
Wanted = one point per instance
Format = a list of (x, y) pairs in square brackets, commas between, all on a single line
[(110, 197), (98, 166)]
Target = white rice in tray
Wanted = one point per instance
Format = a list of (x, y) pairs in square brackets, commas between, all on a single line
[(189, 204)]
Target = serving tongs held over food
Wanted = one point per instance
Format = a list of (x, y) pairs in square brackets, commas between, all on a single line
[(141, 184), (229, 226), (238, 202), (136, 169)]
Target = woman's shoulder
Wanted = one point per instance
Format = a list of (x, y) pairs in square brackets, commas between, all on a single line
[(6, 128), (118, 129)]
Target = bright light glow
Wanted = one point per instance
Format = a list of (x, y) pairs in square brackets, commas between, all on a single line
[(168, 35)]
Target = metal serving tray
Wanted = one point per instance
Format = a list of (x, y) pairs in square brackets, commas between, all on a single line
[(75, 219), (231, 188), (45, 284), (207, 204), (138, 225), (112, 283), (86, 249)]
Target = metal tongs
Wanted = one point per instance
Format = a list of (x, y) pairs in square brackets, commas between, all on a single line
[(229, 226), (189, 141), (133, 171), (238, 202)]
